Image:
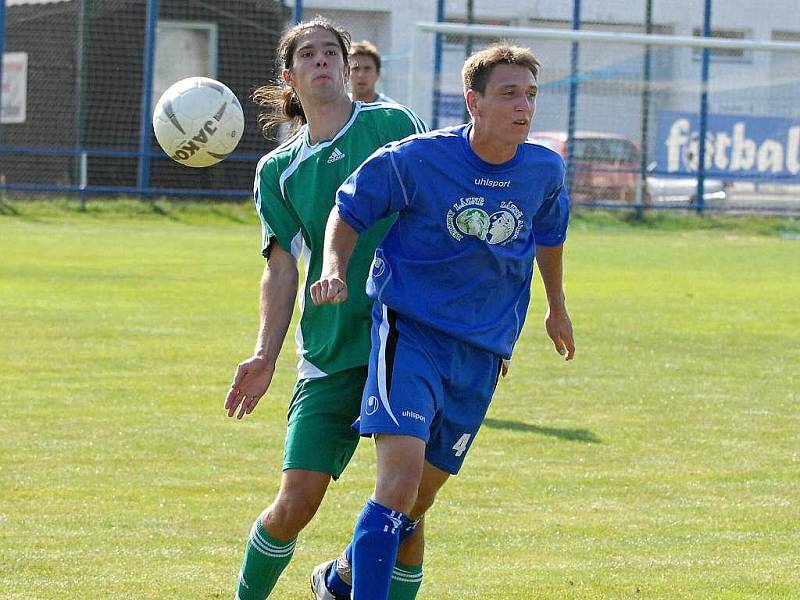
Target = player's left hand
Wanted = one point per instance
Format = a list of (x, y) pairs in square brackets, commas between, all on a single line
[(559, 328)]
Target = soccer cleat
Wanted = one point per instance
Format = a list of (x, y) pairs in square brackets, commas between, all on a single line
[(318, 587)]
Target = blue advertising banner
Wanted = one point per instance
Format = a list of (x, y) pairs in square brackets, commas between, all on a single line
[(736, 146)]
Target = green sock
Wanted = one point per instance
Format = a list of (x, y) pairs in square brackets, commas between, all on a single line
[(406, 582), (265, 558)]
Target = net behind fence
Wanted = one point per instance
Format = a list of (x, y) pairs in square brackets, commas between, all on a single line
[(74, 83), (85, 81), (636, 113)]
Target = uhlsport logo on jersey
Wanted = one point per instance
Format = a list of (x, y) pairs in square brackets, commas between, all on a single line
[(468, 217), (485, 181)]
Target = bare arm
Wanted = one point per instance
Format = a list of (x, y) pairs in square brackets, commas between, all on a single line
[(340, 240), (557, 322), (254, 375)]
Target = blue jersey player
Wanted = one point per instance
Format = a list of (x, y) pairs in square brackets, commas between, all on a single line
[(451, 285)]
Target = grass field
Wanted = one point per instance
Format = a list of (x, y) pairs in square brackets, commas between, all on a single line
[(662, 463)]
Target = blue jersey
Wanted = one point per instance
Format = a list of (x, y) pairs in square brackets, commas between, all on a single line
[(460, 256)]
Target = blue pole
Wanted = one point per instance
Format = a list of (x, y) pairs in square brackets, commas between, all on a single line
[(298, 11), (146, 127), (437, 66), (701, 142), (2, 50), (645, 132), (573, 93), (468, 46)]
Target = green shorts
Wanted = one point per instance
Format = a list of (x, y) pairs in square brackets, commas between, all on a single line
[(319, 435)]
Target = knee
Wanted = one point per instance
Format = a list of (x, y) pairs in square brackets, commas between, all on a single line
[(288, 515), (424, 501), (397, 491)]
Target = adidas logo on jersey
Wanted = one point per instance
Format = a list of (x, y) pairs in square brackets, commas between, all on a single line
[(335, 155)]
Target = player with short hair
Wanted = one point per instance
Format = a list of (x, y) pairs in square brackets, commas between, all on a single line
[(451, 283), (294, 192), (365, 70)]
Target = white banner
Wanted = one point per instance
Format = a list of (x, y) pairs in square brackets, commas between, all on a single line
[(15, 87)]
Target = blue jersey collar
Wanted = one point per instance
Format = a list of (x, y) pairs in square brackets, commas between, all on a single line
[(477, 161)]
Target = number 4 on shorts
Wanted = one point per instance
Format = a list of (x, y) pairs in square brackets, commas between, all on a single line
[(462, 443)]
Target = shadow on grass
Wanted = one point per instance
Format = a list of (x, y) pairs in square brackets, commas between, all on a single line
[(7, 209), (227, 215), (572, 435), (162, 209)]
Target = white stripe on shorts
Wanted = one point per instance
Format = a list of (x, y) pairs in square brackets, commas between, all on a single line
[(383, 334)]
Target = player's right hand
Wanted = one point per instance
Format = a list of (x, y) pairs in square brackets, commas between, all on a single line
[(250, 383), (329, 290)]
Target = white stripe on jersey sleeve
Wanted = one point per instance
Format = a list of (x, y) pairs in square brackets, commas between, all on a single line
[(416, 121)]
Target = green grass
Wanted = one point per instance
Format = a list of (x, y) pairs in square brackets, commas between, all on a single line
[(662, 463)]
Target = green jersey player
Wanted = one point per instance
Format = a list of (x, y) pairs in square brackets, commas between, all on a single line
[(294, 191)]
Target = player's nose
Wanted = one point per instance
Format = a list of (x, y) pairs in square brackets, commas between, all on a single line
[(524, 104)]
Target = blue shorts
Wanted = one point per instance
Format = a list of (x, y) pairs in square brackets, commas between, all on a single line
[(426, 384)]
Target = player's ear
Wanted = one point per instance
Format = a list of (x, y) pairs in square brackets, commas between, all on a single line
[(286, 75), (471, 98)]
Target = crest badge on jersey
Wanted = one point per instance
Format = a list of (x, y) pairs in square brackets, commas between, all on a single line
[(468, 217), (473, 221)]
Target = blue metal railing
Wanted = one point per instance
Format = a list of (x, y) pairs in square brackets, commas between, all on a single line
[(573, 95), (146, 128), (701, 142), (2, 50)]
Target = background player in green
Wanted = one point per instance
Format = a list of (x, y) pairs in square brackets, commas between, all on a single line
[(294, 192)]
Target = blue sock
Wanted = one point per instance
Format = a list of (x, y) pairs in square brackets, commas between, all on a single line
[(334, 582), (339, 586), (408, 527), (374, 551)]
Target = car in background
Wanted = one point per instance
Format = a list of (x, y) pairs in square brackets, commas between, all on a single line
[(682, 190), (606, 167)]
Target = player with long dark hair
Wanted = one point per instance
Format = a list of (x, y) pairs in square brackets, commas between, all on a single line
[(294, 192)]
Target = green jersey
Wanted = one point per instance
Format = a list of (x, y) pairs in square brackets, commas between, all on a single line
[(295, 189)]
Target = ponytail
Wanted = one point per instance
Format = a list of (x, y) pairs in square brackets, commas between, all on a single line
[(281, 105)]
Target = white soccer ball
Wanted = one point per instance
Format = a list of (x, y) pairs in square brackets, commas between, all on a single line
[(198, 121)]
